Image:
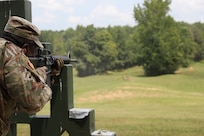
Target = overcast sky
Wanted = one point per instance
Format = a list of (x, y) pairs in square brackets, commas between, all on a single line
[(63, 14)]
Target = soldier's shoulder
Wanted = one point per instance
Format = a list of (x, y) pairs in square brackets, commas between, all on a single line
[(2, 42), (9, 45)]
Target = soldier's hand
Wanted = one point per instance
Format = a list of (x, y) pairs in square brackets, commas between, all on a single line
[(57, 66)]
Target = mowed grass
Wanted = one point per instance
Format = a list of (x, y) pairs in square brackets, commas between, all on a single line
[(131, 104)]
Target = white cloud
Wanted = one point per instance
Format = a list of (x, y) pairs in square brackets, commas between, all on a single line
[(105, 10), (74, 19), (189, 11), (104, 15), (46, 17), (61, 14), (51, 12)]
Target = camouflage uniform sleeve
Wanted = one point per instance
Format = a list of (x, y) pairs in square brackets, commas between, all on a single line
[(24, 83)]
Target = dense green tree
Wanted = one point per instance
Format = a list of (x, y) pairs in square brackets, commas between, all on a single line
[(95, 50), (189, 45), (54, 37), (105, 49), (158, 43), (83, 51), (126, 47), (69, 38), (198, 36), (161, 44)]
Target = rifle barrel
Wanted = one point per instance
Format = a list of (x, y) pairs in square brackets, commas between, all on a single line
[(49, 60)]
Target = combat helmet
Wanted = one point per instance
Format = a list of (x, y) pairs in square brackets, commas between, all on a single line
[(23, 28)]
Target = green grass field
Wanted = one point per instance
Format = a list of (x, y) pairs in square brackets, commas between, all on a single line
[(133, 105)]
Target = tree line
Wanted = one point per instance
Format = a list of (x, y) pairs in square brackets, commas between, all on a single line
[(157, 42)]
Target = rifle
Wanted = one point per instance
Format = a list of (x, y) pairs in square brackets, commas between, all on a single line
[(45, 58)]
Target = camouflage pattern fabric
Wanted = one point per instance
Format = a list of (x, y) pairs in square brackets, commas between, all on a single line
[(23, 28), (22, 87)]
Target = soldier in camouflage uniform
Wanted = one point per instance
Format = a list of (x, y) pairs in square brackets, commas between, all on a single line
[(22, 87)]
